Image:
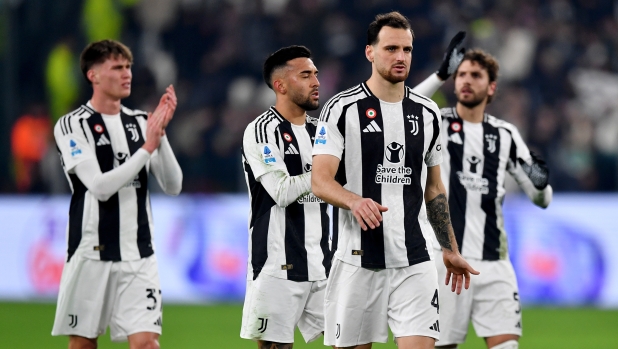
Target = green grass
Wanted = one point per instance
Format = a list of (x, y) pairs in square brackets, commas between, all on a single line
[(28, 325)]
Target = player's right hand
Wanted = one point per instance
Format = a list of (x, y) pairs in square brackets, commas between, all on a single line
[(452, 57), (367, 213)]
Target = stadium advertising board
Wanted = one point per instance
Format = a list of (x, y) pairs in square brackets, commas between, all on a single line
[(562, 255)]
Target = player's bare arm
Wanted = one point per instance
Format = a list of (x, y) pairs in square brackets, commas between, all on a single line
[(440, 219), (367, 212), (457, 269)]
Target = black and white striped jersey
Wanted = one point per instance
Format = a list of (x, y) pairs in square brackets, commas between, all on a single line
[(479, 156), (385, 149), (285, 242), (121, 227)]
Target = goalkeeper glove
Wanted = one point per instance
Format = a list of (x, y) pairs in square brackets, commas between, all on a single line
[(537, 171), (452, 57)]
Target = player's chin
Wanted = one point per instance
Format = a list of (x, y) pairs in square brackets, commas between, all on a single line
[(124, 93)]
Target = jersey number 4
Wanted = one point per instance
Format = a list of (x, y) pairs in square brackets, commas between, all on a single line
[(434, 302)]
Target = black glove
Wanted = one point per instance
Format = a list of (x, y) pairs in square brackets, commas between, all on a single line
[(452, 57), (537, 171)]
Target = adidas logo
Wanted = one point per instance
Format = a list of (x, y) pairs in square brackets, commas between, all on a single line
[(435, 326), (159, 322), (372, 127), (103, 141), (292, 150), (455, 138)]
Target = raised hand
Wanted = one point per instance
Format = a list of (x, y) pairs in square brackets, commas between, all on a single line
[(453, 56), (154, 128), (367, 213), (457, 271), (168, 99)]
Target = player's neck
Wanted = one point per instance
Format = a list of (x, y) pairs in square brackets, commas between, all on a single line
[(386, 90), (291, 112), (474, 115), (105, 105)]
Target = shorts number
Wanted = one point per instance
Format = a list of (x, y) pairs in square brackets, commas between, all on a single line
[(516, 297), (151, 295), (435, 303)]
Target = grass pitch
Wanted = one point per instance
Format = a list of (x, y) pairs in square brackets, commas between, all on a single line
[(28, 325)]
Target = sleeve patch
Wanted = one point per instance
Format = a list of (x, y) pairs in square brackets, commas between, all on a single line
[(75, 150), (267, 155), (321, 136)]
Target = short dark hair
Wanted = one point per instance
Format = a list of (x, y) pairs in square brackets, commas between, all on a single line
[(392, 19), (280, 58), (99, 51), (485, 60)]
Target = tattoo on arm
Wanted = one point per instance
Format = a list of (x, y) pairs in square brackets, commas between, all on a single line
[(440, 219)]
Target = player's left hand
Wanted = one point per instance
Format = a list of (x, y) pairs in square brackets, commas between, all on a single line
[(457, 271), (170, 101), (536, 170), (452, 57)]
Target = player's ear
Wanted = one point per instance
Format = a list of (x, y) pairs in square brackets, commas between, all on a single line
[(369, 53), (492, 88), (279, 86), (92, 76)]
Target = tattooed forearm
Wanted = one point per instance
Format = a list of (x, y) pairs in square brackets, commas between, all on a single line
[(440, 219)]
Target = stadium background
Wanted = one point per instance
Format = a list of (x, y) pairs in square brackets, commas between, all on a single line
[(558, 84)]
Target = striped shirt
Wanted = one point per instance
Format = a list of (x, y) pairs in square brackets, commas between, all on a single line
[(120, 228), (479, 156), (285, 242), (385, 149)]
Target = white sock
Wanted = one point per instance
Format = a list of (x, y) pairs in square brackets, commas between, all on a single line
[(512, 344)]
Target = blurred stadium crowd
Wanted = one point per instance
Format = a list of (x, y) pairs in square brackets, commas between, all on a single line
[(557, 83)]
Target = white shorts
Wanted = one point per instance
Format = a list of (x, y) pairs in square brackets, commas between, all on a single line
[(360, 304), (492, 302), (274, 307), (94, 294)]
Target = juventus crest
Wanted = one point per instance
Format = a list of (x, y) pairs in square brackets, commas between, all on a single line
[(134, 134), (491, 142), (414, 120)]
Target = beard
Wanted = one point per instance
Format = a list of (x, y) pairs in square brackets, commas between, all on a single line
[(393, 79), (476, 100), (305, 102)]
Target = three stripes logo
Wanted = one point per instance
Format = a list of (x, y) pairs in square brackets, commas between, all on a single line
[(263, 324), (372, 127), (134, 134), (103, 141), (435, 326), (73, 322), (159, 322), (414, 121), (292, 150), (338, 331)]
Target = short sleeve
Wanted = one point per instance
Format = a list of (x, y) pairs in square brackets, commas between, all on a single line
[(328, 138), (262, 157), (72, 142), (434, 153)]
